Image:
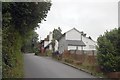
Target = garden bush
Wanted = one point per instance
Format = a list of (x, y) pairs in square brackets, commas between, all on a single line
[(109, 51)]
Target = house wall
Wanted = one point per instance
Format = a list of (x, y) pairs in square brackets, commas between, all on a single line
[(62, 45), (90, 44), (56, 45), (46, 43), (71, 47), (74, 48), (50, 40), (73, 35)]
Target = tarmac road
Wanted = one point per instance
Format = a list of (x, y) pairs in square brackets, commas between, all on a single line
[(46, 67)]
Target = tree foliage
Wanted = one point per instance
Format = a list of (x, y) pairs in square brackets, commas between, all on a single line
[(25, 16), (19, 21), (57, 33), (109, 50), (30, 43)]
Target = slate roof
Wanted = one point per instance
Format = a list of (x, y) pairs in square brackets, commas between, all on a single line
[(75, 43)]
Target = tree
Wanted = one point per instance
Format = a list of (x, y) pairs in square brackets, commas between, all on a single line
[(118, 41), (108, 51), (25, 16), (19, 19), (31, 43), (57, 33)]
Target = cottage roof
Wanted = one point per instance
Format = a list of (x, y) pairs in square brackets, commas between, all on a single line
[(75, 43)]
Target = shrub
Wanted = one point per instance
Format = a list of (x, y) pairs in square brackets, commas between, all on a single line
[(36, 51), (12, 57), (108, 51)]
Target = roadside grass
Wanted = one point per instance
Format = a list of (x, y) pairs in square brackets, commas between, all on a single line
[(92, 69), (48, 53), (86, 66)]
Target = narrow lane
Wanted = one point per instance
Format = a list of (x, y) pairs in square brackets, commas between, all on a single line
[(45, 67)]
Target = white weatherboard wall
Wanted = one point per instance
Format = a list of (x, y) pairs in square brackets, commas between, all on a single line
[(90, 44), (46, 43), (71, 47), (73, 35)]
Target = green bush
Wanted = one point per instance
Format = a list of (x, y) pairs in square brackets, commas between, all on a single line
[(12, 56), (36, 51), (109, 51)]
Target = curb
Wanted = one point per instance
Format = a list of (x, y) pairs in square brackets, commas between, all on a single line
[(79, 68), (68, 64)]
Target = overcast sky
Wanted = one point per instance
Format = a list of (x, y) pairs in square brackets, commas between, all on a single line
[(93, 17)]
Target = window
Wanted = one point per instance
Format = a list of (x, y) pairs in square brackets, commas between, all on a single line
[(71, 47), (91, 46)]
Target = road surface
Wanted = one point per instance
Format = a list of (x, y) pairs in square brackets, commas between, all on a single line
[(45, 67)]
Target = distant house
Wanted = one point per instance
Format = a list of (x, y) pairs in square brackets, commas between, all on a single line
[(46, 44), (43, 45), (90, 44), (75, 40)]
